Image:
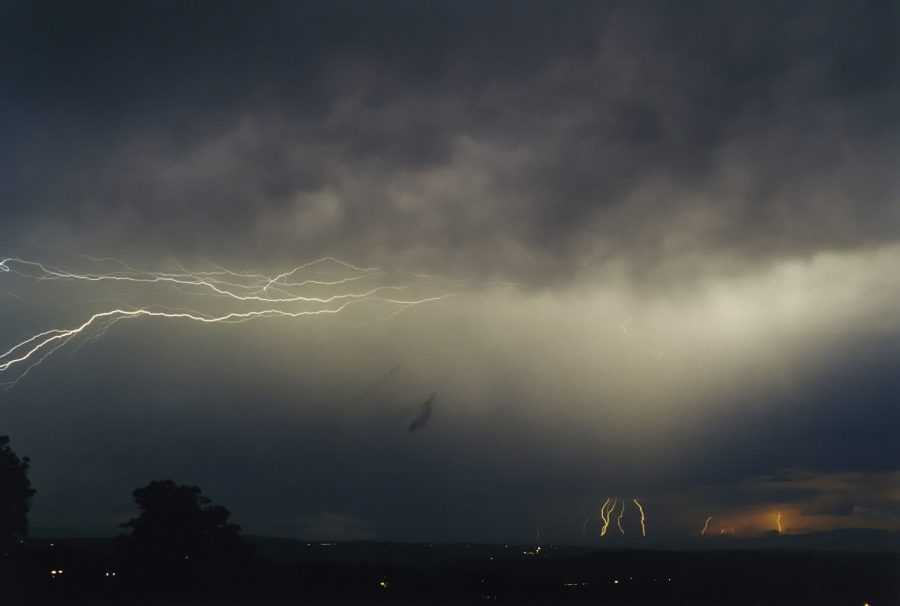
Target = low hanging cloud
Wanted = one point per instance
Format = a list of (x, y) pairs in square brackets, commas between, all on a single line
[(580, 138), (671, 233)]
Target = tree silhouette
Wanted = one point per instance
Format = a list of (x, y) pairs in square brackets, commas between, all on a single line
[(180, 538), (15, 494)]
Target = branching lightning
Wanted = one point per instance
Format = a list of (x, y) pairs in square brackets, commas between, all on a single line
[(247, 296), (606, 512)]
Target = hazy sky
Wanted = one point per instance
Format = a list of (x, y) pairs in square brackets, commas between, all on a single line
[(664, 240)]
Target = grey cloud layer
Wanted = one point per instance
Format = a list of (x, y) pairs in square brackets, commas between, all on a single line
[(527, 142), (708, 192)]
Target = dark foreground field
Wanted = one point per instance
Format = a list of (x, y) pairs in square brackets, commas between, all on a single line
[(294, 572)]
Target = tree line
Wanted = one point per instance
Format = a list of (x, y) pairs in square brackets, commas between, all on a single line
[(178, 539)]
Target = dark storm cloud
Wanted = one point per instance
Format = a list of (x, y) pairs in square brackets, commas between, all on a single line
[(521, 139), (745, 153)]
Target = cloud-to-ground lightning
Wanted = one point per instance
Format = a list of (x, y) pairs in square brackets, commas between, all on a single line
[(609, 506), (605, 511), (247, 296), (706, 526), (778, 522), (643, 517)]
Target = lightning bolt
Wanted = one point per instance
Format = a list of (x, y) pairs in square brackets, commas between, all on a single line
[(275, 296), (609, 506), (643, 517), (778, 522), (218, 287), (706, 526), (605, 510)]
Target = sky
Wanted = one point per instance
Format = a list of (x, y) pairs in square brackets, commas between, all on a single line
[(550, 254)]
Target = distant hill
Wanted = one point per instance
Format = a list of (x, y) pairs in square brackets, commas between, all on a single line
[(292, 551), (859, 540)]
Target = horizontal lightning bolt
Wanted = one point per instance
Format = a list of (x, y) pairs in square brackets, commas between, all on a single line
[(235, 287)]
